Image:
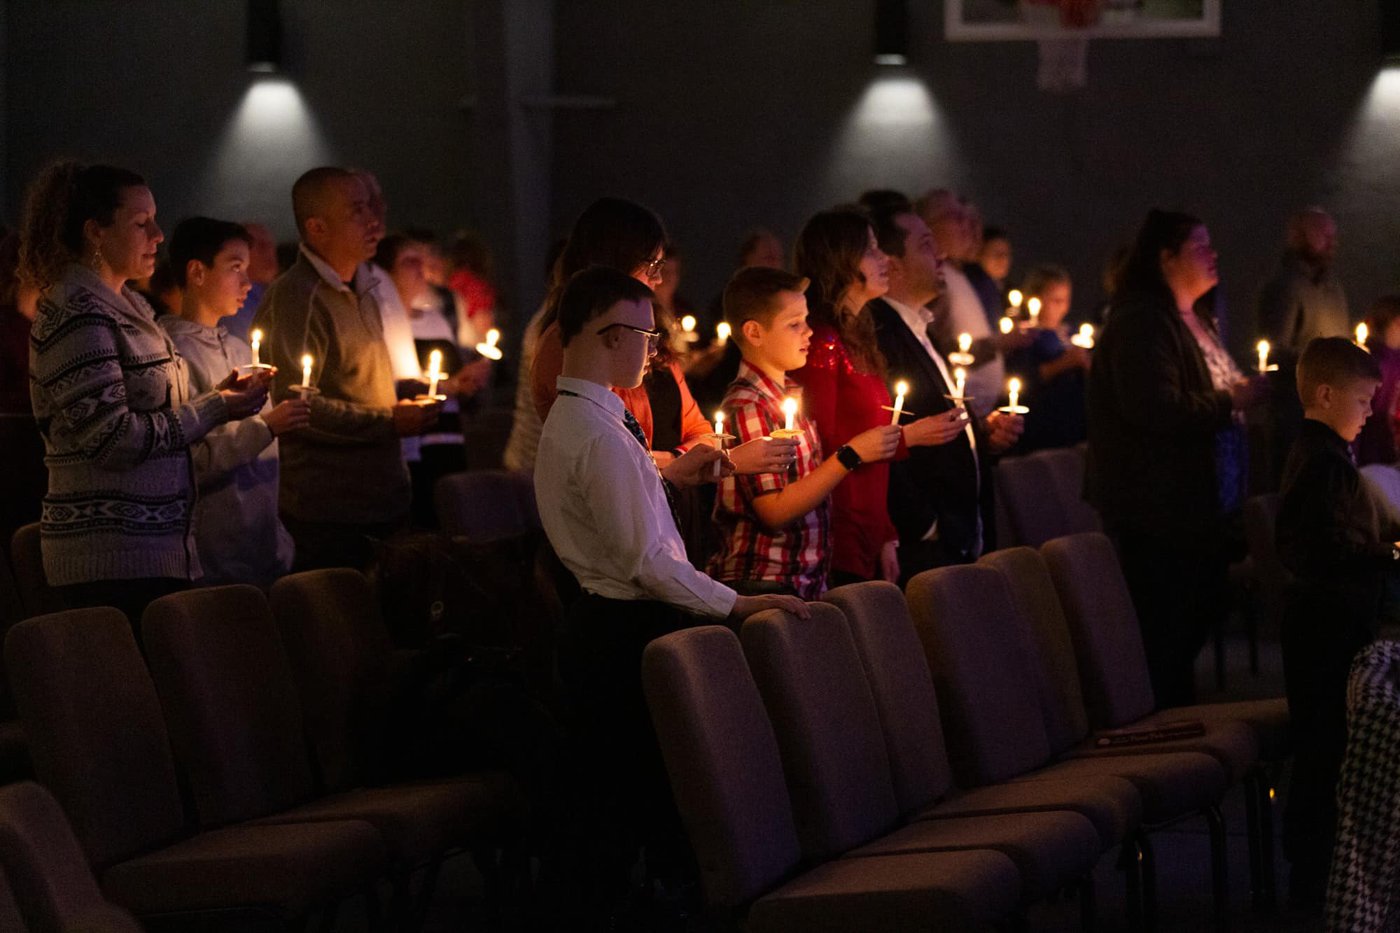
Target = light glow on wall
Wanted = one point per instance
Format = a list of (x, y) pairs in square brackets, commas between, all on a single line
[(271, 138), (895, 136)]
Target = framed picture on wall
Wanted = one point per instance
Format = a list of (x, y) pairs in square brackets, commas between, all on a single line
[(1003, 20)]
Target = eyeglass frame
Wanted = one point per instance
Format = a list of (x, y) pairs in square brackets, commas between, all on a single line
[(653, 267), (653, 336)]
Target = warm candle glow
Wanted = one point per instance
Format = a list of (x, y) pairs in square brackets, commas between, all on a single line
[(489, 349), (1263, 348), (1013, 391), (901, 389), (722, 332), (1007, 325), (688, 323), (789, 412), (1033, 306), (434, 371), (1085, 337), (1015, 297), (959, 382), (719, 422), (964, 342), (257, 342), (306, 369), (1362, 332)]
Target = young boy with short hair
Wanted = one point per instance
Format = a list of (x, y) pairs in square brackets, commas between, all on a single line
[(775, 527), (1340, 550), (238, 536)]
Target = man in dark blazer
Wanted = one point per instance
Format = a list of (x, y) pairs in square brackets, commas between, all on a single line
[(941, 497)]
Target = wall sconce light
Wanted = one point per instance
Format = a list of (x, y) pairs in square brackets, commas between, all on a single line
[(264, 36), (891, 32)]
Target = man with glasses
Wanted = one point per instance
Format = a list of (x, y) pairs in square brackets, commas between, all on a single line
[(605, 508)]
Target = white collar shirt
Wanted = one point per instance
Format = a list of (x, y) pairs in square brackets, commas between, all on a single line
[(984, 381), (605, 511)]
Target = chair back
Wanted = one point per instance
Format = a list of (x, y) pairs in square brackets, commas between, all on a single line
[(97, 737), (339, 651), (809, 675), (51, 885), (230, 701), (722, 757), (481, 505), (1066, 466), (1033, 593), (899, 680), (978, 648), (1383, 483), (1103, 625), (1025, 486), (27, 561)]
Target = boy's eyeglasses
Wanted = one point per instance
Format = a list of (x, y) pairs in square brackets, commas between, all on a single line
[(654, 267), (653, 336)]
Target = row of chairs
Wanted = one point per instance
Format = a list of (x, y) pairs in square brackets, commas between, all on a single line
[(930, 762), (1041, 496), (224, 770)]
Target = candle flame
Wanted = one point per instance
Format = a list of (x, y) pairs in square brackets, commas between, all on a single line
[(1013, 386), (1086, 330), (1362, 332), (722, 330), (964, 342), (901, 388), (789, 406), (1007, 325), (1033, 306), (1015, 297), (493, 336), (257, 336), (306, 361), (688, 323), (435, 362)]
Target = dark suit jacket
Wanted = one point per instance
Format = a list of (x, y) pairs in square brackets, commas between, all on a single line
[(933, 483), (1153, 419)]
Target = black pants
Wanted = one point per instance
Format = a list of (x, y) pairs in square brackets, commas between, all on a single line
[(1319, 643), (917, 556), (1180, 593), (625, 795)]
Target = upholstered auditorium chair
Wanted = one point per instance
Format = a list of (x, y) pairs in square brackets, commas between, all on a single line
[(727, 777)]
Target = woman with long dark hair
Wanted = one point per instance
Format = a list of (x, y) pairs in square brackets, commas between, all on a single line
[(111, 396), (1166, 455), (844, 386)]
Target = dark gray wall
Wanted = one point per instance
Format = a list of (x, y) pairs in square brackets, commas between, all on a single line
[(160, 86), (733, 112)]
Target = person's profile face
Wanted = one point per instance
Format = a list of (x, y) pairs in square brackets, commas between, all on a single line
[(873, 278), (1347, 407), (409, 273), (1054, 303), (352, 227), (630, 349), (920, 263), (996, 258), (225, 284), (786, 338), (1193, 266), (130, 241)]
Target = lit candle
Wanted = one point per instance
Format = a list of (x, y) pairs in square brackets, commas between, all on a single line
[(489, 348), (964, 342), (1007, 325), (1263, 348), (1033, 306), (306, 370), (688, 325), (1015, 297), (1013, 391), (959, 383), (257, 342), (1085, 337), (722, 332), (719, 439), (719, 423), (901, 389), (1362, 332), (434, 371), (789, 412)]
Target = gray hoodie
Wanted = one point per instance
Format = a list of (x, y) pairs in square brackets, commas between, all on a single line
[(236, 529)]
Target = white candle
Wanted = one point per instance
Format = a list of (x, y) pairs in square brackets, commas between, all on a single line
[(434, 371), (1007, 325), (901, 389), (1362, 332), (722, 332), (1033, 306), (719, 441), (789, 412), (1013, 391), (1263, 348), (489, 349), (306, 370), (959, 382), (257, 342), (719, 423), (1015, 297)]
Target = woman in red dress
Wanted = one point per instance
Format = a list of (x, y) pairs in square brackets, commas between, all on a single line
[(843, 385)]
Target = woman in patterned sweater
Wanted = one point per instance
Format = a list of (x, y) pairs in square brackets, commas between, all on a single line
[(110, 394)]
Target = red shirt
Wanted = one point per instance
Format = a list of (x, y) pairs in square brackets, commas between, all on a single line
[(795, 555), (844, 402)]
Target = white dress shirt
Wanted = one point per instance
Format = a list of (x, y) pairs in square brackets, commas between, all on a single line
[(604, 509), (967, 317), (918, 320)]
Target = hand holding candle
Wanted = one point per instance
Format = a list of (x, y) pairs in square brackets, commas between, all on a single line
[(720, 438), (1013, 395), (489, 348)]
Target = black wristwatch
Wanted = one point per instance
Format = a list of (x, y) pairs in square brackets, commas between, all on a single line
[(848, 457)]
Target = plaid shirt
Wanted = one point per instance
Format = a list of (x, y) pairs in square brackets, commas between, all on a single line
[(797, 555)]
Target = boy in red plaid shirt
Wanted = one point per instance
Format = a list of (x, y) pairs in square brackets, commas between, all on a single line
[(774, 527)]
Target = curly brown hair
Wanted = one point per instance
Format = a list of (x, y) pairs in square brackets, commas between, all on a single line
[(828, 252), (63, 198)]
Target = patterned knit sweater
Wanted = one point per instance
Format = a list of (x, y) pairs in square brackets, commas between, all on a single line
[(111, 398)]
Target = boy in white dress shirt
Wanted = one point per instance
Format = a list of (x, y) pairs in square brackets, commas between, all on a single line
[(605, 509)]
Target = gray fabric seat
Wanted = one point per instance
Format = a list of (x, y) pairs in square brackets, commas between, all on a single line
[(99, 744), (727, 778), (900, 682), (833, 751)]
